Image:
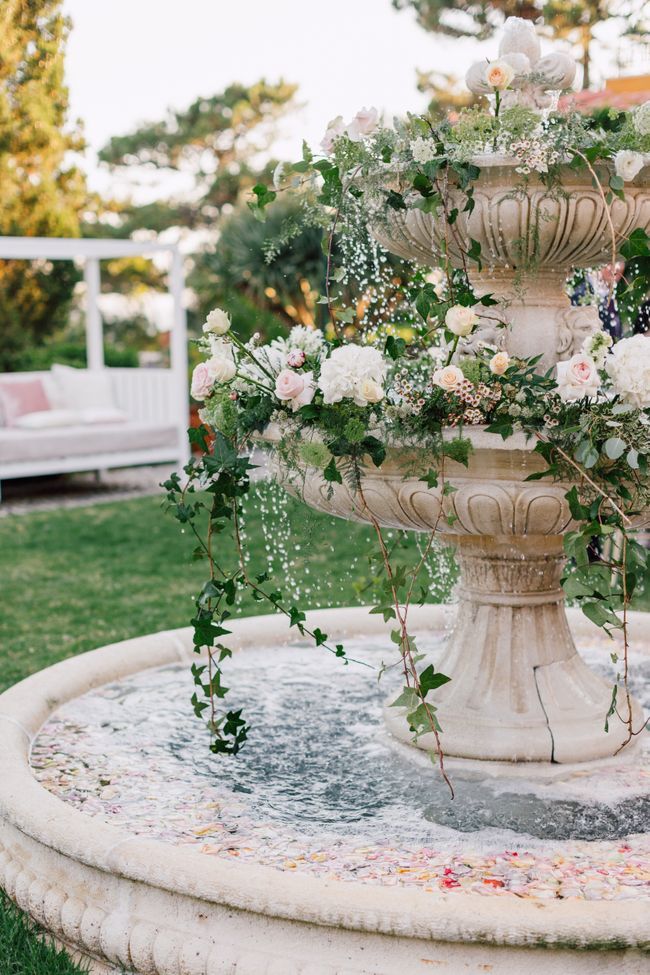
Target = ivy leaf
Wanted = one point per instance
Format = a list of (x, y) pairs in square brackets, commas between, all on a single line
[(332, 473), (430, 680)]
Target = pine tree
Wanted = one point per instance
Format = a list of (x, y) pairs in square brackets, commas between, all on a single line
[(41, 192)]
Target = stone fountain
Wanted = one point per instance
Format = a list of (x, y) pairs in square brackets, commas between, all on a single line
[(138, 869)]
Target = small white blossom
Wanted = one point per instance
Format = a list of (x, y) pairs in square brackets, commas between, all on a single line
[(641, 119), (597, 346), (423, 150)]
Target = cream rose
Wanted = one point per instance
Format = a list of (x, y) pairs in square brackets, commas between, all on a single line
[(499, 363), (628, 164), (577, 377), (222, 368), (461, 320), (448, 378), (202, 382), (295, 388), (499, 74), (629, 369), (371, 391), (217, 322)]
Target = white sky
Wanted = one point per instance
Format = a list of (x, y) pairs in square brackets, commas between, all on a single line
[(128, 60)]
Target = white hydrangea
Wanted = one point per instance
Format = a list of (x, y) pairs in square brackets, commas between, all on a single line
[(355, 372), (628, 367), (423, 150), (641, 118)]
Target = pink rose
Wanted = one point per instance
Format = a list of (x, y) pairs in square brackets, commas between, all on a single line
[(296, 388), (296, 358), (577, 377), (202, 382), (364, 123)]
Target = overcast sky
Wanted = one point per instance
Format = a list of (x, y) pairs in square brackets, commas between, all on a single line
[(128, 60)]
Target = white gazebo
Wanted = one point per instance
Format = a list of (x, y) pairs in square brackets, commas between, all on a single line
[(154, 400)]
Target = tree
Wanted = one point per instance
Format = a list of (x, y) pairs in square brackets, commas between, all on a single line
[(41, 193), (220, 142), (269, 274), (571, 20)]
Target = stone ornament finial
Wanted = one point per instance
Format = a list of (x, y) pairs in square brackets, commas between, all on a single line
[(535, 79)]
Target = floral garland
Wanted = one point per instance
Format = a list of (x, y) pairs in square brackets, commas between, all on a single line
[(341, 399)]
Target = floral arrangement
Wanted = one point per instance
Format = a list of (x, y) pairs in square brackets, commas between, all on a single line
[(342, 398)]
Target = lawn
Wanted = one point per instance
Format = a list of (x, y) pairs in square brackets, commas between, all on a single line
[(75, 579)]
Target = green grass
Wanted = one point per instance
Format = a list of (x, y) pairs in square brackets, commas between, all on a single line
[(76, 579), (23, 950)]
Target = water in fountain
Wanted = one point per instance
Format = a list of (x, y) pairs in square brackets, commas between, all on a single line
[(321, 780)]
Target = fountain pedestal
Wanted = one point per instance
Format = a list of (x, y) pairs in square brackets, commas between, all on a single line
[(519, 690)]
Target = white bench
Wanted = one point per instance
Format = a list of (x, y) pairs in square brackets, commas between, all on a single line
[(155, 431), (155, 401)]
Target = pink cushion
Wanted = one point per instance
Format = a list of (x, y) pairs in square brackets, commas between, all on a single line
[(21, 396)]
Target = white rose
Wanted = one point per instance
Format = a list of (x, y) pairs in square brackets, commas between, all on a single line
[(448, 378), (364, 123), (499, 74), (217, 322), (628, 367), (641, 118), (461, 320), (343, 375), (371, 391), (334, 131), (628, 164), (499, 363), (577, 377), (222, 368)]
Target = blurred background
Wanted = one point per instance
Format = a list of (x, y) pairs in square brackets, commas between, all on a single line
[(151, 120)]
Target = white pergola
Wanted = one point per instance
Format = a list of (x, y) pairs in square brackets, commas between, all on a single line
[(90, 252)]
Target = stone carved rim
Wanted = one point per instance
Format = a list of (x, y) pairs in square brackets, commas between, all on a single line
[(35, 812)]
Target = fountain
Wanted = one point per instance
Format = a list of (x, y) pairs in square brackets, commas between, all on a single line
[(331, 849)]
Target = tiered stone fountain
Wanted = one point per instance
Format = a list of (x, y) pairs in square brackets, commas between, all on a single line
[(519, 689), (103, 847)]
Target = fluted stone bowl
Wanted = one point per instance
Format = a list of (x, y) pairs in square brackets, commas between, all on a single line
[(521, 223)]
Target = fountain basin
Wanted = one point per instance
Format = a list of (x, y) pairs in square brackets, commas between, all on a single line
[(121, 899)]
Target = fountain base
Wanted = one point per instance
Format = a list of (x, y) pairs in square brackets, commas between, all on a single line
[(131, 883)]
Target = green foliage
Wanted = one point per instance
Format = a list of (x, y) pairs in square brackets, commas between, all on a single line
[(69, 353), (42, 192)]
